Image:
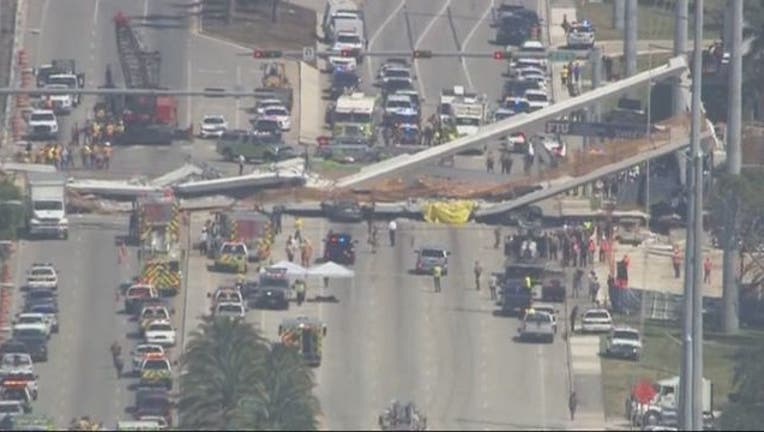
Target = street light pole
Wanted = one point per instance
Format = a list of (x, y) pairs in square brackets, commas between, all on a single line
[(697, 227)]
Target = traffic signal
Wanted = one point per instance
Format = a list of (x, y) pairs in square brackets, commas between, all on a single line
[(422, 54), (501, 55), (259, 54)]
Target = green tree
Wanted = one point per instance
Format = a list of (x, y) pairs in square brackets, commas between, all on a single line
[(235, 379), (287, 402), (223, 364), (11, 209), (746, 408)]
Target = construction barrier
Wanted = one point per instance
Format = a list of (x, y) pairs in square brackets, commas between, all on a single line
[(448, 212)]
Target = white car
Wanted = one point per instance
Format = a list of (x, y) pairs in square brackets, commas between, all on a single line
[(42, 124), (17, 361), (25, 375), (280, 114), (553, 145), (35, 318), (346, 63), (581, 35), (160, 332), (529, 62), (532, 46), (140, 353), (42, 276), (402, 73), (213, 126), (537, 99), (396, 103), (11, 408), (624, 342), (347, 41), (231, 310), (62, 103), (265, 103), (596, 321), (549, 309)]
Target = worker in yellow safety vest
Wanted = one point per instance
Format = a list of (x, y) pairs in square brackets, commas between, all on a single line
[(528, 282)]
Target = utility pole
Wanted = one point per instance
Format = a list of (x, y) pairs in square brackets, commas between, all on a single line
[(619, 14), (733, 136), (630, 38), (679, 100), (697, 223), (230, 11), (595, 57), (692, 336), (727, 25)]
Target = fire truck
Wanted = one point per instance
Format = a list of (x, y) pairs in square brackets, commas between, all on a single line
[(155, 227)]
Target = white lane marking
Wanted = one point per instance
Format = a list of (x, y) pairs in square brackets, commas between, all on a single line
[(223, 41), (188, 87), (542, 383), (379, 32), (211, 71), (40, 39), (427, 29), (466, 43), (238, 100)]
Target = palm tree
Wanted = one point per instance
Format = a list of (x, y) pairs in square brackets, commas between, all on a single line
[(746, 409), (287, 401), (753, 62), (223, 364)]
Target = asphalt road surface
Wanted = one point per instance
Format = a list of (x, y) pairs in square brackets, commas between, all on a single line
[(79, 378), (443, 25), (391, 337)]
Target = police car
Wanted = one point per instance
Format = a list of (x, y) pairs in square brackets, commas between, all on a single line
[(141, 352), (42, 275), (156, 370), (339, 248), (581, 35)]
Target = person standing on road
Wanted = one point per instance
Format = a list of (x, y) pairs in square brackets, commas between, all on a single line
[(676, 261), (203, 242), (437, 272), (576, 72), (373, 239), (707, 270), (573, 315), (489, 162), (392, 227), (241, 164), (478, 270), (577, 280), (289, 249), (564, 75), (572, 404), (299, 289), (496, 237), (493, 281)]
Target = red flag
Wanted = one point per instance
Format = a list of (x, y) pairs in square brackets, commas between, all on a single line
[(643, 391)]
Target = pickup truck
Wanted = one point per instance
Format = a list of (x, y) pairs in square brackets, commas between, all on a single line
[(537, 325), (255, 149)]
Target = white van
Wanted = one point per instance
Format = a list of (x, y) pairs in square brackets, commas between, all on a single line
[(340, 9)]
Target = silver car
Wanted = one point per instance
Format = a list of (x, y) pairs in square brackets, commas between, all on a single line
[(430, 256)]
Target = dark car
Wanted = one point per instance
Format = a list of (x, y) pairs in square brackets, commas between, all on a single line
[(512, 30), (40, 296), (272, 290), (153, 402), (14, 346), (517, 88), (36, 345), (339, 248), (267, 128), (342, 211), (50, 309)]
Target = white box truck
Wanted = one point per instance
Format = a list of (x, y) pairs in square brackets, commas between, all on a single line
[(46, 205)]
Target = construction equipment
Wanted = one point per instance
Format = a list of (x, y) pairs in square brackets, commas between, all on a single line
[(275, 84), (155, 227), (148, 119), (305, 334), (252, 228)]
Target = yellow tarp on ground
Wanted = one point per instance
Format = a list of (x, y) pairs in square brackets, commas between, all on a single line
[(449, 212)]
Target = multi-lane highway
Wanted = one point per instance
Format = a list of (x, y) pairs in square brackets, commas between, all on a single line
[(390, 336)]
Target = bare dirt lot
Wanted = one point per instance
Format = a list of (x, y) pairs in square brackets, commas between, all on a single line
[(294, 28)]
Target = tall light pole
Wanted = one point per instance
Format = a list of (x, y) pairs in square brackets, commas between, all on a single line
[(733, 136), (697, 223)]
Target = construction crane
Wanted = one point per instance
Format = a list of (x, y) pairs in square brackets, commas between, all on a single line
[(140, 67), (148, 119)]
